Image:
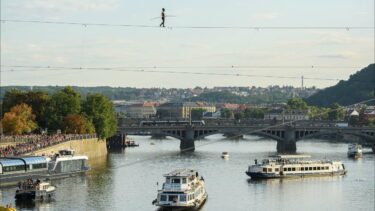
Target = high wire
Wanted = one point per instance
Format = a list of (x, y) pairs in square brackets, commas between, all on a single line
[(165, 72), (193, 27)]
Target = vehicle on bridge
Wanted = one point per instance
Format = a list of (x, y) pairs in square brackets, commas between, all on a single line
[(183, 189), (171, 123), (281, 166)]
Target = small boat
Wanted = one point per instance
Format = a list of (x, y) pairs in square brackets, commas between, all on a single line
[(182, 189), (35, 191), (131, 144), (354, 151), (225, 155), (281, 166)]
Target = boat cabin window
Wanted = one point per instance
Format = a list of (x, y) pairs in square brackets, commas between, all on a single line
[(13, 168), (269, 169), (314, 168), (264, 169), (327, 168), (276, 169), (183, 180), (172, 198), (310, 168), (293, 169), (285, 169), (289, 169), (318, 168), (176, 181), (182, 197)]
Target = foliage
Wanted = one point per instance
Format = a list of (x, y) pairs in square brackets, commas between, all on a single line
[(335, 112), (318, 113), (254, 113), (62, 103), (19, 120), (77, 124), (37, 100), (100, 111), (239, 115), (297, 104), (197, 113), (227, 113), (359, 87)]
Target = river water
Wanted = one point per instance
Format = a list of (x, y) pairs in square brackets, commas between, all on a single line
[(127, 180)]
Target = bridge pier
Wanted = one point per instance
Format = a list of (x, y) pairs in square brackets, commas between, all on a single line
[(187, 142), (288, 144)]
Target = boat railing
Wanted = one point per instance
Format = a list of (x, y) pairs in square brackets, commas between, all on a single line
[(175, 187)]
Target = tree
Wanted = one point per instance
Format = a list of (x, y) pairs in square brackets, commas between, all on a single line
[(37, 100), (197, 113), (19, 120), (100, 111), (77, 124), (297, 104), (62, 103), (239, 115), (335, 112), (227, 113), (254, 113)]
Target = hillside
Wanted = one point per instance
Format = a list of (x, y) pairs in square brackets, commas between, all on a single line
[(359, 87)]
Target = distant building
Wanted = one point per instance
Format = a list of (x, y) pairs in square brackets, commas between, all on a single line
[(144, 110), (287, 115), (182, 110)]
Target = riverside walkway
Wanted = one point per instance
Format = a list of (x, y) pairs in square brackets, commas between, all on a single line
[(19, 145)]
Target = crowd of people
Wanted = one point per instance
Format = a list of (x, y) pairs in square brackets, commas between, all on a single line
[(29, 143)]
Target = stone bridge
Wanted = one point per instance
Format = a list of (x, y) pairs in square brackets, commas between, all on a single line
[(285, 135)]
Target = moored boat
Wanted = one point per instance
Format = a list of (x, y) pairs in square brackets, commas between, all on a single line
[(281, 166), (35, 191), (183, 189), (354, 151), (62, 164)]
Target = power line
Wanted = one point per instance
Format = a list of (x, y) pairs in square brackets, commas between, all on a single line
[(194, 27), (166, 72)]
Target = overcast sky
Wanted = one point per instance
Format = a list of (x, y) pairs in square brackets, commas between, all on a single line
[(31, 44)]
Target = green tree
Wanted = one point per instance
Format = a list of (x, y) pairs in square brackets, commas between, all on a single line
[(227, 113), (62, 103), (19, 120), (335, 112), (100, 111), (254, 113), (77, 124), (197, 113), (239, 115), (297, 103)]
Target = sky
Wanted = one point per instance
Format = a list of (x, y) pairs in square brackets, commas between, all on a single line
[(117, 55)]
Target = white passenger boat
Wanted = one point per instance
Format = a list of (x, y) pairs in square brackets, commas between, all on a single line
[(225, 155), (294, 166), (354, 150), (183, 188), (66, 163)]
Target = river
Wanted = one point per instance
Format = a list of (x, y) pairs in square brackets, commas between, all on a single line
[(127, 180)]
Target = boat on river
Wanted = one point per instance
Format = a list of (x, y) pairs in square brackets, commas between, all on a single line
[(281, 166), (182, 189), (225, 155), (35, 191), (354, 151), (62, 164)]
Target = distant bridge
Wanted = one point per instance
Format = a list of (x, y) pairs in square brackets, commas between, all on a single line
[(285, 135)]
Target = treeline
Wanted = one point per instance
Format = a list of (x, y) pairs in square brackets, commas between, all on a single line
[(359, 87), (64, 110)]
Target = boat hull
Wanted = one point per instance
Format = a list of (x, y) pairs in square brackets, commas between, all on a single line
[(259, 175), (176, 207)]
